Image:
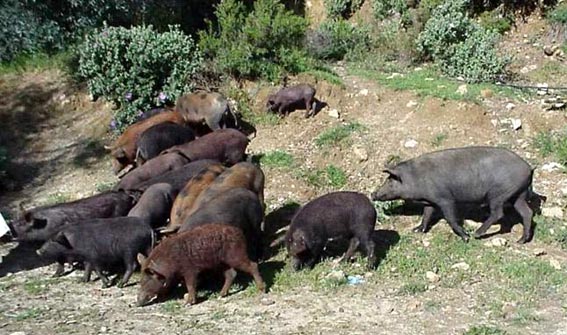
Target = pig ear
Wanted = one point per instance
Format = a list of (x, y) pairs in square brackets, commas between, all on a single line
[(141, 259), (154, 268), (393, 174), (62, 239)]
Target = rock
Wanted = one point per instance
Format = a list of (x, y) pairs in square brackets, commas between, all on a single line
[(410, 144), (549, 50), (363, 92), (337, 275), (361, 154), (508, 310), (461, 266), (552, 212), (395, 74), (494, 122), (516, 124), (524, 70), (486, 93), (429, 79), (539, 252), (555, 264), (432, 276), (334, 113), (496, 242), (510, 106), (463, 89), (549, 167), (411, 104), (267, 301), (18, 333)]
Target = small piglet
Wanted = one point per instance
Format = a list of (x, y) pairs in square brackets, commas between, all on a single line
[(289, 98), (160, 137), (183, 256), (155, 204), (347, 215), (443, 179), (101, 244), (156, 166)]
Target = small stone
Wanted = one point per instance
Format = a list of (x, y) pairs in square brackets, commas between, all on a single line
[(333, 113), (18, 333), (549, 50), (418, 69), (555, 264), (539, 252), (410, 144), (524, 70), (411, 104), (508, 310), (486, 93), (516, 124), (549, 167), (429, 79), (426, 243), (461, 266), (552, 212), (432, 276), (336, 275), (496, 242), (463, 89), (103, 329), (361, 154), (395, 74), (510, 106), (532, 67), (494, 122), (267, 301), (363, 92)]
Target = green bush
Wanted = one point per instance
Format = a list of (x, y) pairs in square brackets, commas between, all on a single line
[(336, 38), (385, 8), (264, 42), (559, 14), (490, 20), (23, 32), (461, 46), (341, 8), (137, 68)]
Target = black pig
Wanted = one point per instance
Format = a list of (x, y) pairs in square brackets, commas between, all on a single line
[(290, 97), (101, 244), (443, 179), (41, 223), (155, 204), (347, 215), (160, 137)]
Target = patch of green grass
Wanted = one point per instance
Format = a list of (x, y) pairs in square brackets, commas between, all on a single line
[(525, 316), (552, 144), (331, 176), (559, 14), (438, 140), (337, 135), (172, 306), (385, 208), (57, 198), (550, 230), (30, 313), (484, 330), (37, 286), (104, 186), (412, 288), (244, 107), (37, 62), (277, 159), (428, 82), (550, 69)]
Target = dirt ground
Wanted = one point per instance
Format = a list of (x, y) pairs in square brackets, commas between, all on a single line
[(56, 137)]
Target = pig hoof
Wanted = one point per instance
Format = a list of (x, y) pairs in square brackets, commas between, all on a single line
[(465, 239), (418, 229), (478, 235), (523, 240)]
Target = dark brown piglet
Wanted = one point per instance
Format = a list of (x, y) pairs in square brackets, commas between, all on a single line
[(289, 98), (183, 256), (161, 137), (154, 167), (155, 204)]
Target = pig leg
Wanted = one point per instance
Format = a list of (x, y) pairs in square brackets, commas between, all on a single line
[(252, 269), (426, 220), (370, 247), (450, 212), (59, 270), (308, 110), (229, 276), (496, 213), (130, 267), (103, 278), (353, 245), (191, 284), (87, 275), (526, 212)]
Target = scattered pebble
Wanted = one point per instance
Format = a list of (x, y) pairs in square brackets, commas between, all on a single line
[(411, 104), (539, 252), (463, 89), (496, 242), (552, 212), (334, 113), (510, 106), (361, 154), (410, 144), (549, 167), (267, 301), (363, 92), (555, 264), (432, 276), (461, 266), (336, 275), (516, 124)]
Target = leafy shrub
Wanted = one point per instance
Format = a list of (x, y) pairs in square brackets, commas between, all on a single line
[(23, 32), (461, 46), (385, 8), (490, 20), (342, 8), (263, 42), (559, 14), (335, 38), (138, 68)]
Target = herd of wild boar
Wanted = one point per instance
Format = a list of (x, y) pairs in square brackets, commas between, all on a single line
[(193, 202)]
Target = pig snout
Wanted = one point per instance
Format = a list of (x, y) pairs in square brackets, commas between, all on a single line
[(144, 299), (296, 263), (378, 195)]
